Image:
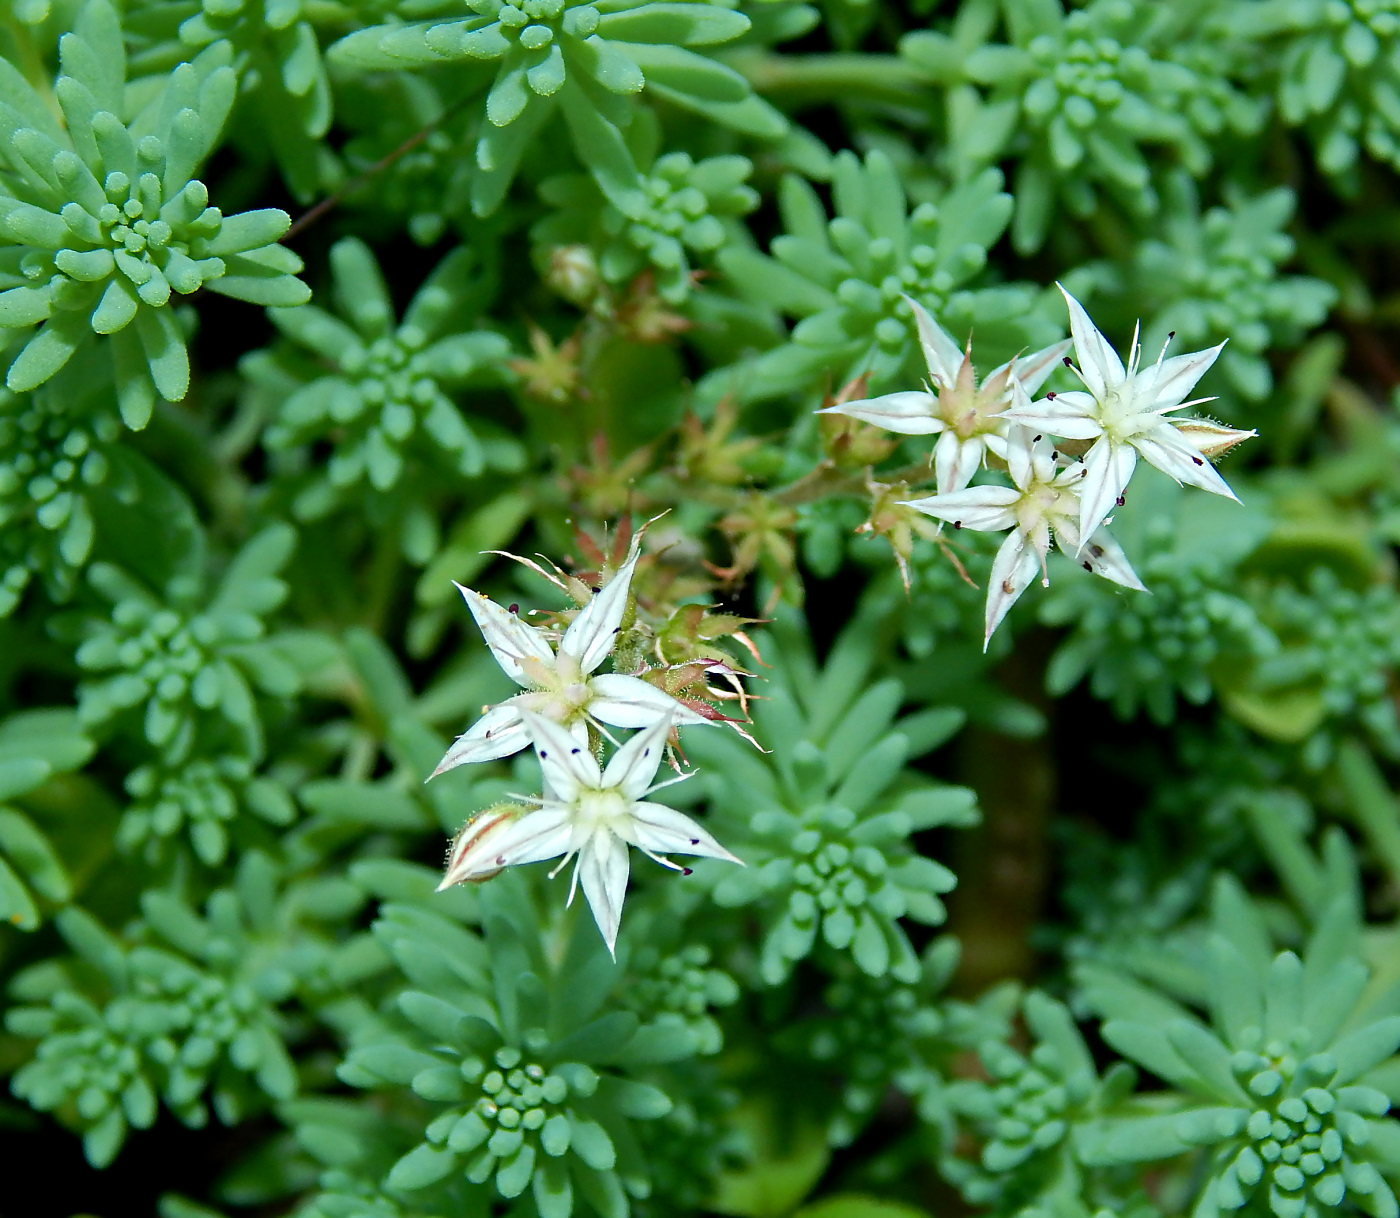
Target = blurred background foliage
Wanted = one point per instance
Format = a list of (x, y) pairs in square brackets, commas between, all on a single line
[(309, 306)]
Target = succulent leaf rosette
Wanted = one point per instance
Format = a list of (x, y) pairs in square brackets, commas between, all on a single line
[(582, 63), (103, 223)]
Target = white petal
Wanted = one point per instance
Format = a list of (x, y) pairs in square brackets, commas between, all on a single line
[(1033, 370), (1107, 467), (909, 412), (955, 461), (1166, 385), (622, 701), (505, 840), (498, 733), (1070, 418), (508, 637), (591, 635), (633, 767), (986, 508), (941, 353), (1098, 362), (567, 764), (1104, 556), (1021, 446), (662, 830), (602, 870), (1174, 454), (1012, 571)]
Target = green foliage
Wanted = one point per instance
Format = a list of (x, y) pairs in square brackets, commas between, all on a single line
[(584, 275), (516, 1059), (386, 401), (103, 217), (586, 64), (825, 823), (1278, 1086), (847, 279), (686, 202)]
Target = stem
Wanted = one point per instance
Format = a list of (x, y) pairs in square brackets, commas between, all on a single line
[(824, 78), (336, 197), (1003, 864)]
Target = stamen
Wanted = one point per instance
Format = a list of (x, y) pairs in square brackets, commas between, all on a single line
[(1135, 350), (1049, 397)]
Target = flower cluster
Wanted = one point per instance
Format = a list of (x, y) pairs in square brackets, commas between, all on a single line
[(1120, 414), (588, 812)]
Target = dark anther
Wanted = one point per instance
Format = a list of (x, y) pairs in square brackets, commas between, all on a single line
[(1055, 454), (1096, 551), (543, 754), (514, 608), (957, 524), (500, 860), (1069, 363), (1120, 500), (1049, 397), (575, 751), (1088, 566), (1038, 439), (687, 871), (694, 841), (1198, 461), (1171, 334), (597, 588)]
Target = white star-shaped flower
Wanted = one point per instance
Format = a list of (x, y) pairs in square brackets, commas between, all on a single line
[(1127, 413), (1041, 508), (967, 417), (587, 813), (561, 685)]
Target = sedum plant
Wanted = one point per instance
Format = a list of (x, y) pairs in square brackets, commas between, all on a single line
[(524, 688), (104, 218)]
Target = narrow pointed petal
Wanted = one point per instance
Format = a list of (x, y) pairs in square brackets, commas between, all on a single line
[(1107, 468), (633, 767), (941, 353), (1013, 569), (602, 870), (909, 412), (1176, 456), (955, 461), (621, 701), (509, 638), (567, 764), (985, 508), (1020, 446), (505, 840), (662, 830), (498, 733), (1167, 385), (1098, 361), (1105, 557), (1033, 370), (591, 635), (1070, 417)]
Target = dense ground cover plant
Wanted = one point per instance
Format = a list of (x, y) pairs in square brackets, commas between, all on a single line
[(699, 607)]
